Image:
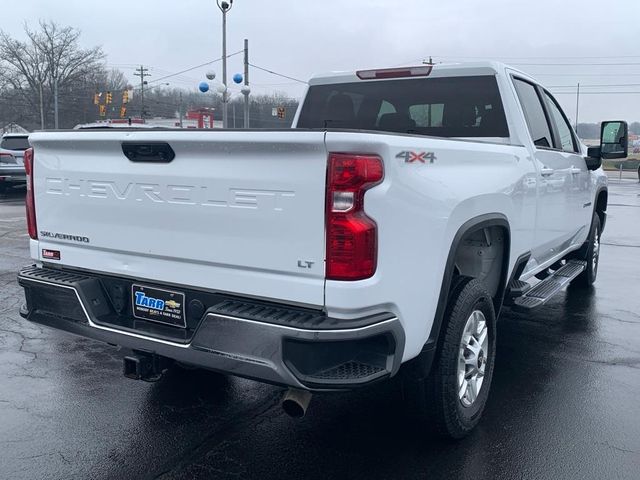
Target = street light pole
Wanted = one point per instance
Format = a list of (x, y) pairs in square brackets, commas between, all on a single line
[(224, 7), (245, 90)]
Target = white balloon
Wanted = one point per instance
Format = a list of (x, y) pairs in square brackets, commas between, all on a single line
[(245, 90)]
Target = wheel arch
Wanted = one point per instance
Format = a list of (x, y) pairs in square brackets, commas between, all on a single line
[(425, 359)]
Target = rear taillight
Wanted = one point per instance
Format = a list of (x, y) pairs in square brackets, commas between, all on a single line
[(352, 237), (30, 202)]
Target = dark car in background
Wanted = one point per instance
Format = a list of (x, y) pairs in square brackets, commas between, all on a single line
[(12, 147)]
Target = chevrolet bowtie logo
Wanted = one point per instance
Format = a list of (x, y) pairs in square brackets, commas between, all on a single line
[(172, 304)]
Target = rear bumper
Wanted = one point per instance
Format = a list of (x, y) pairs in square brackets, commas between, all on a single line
[(268, 342), (12, 174)]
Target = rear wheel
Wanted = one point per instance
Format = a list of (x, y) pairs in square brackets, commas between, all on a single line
[(455, 393), (590, 253)]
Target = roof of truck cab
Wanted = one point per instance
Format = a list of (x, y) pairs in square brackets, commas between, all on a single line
[(439, 70)]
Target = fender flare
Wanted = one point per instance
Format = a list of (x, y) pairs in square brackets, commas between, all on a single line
[(425, 359), (603, 217)]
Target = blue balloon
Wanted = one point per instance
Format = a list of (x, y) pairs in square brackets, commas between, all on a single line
[(237, 78), (204, 87)]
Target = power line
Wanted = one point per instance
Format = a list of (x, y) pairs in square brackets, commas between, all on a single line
[(278, 74), (596, 85), (578, 64), (197, 66), (588, 74), (539, 57), (596, 93)]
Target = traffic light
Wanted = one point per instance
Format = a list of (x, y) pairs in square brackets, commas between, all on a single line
[(103, 110), (109, 98), (125, 96), (123, 112), (96, 99)]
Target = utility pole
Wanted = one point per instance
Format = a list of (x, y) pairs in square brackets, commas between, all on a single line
[(224, 6), (180, 110), (245, 90), (55, 103), (142, 72), (577, 106)]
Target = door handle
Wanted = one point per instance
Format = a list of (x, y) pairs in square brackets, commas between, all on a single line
[(546, 172), (575, 171)]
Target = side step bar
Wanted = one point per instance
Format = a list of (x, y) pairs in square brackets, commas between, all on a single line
[(547, 288)]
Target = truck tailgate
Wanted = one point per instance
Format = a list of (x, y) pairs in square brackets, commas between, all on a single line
[(239, 212)]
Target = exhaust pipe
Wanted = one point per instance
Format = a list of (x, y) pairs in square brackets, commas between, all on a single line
[(295, 402)]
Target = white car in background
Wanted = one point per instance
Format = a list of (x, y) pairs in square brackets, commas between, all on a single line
[(12, 147)]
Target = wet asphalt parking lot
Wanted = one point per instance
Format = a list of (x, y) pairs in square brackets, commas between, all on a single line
[(564, 400)]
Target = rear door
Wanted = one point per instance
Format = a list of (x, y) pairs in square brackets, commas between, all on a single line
[(240, 212), (556, 222)]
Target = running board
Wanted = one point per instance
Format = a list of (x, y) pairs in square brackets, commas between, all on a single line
[(547, 288)]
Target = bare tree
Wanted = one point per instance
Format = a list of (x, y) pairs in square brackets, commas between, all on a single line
[(50, 59), (116, 80)]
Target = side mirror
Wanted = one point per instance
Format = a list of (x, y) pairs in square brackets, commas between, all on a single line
[(614, 140)]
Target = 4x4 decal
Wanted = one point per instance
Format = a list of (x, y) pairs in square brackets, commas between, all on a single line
[(421, 157)]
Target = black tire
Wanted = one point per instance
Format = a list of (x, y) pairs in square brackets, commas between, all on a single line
[(437, 397), (590, 252)]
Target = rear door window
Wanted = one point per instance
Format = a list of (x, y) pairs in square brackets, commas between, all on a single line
[(534, 113), (444, 107)]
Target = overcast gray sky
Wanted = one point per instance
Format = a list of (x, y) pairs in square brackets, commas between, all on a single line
[(300, 37)]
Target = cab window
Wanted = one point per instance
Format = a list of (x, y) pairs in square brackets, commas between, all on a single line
[(467, 107)]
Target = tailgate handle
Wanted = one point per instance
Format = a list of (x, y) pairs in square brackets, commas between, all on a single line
[(148, 152)]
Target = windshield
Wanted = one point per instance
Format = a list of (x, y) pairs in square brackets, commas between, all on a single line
[(443, 107), (15, 143)]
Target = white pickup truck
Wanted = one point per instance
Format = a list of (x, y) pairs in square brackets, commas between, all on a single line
[(381, 235)]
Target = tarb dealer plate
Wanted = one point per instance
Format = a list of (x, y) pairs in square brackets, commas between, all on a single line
[(158, 305)]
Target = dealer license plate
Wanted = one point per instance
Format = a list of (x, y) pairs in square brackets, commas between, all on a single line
[(158, 305)]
